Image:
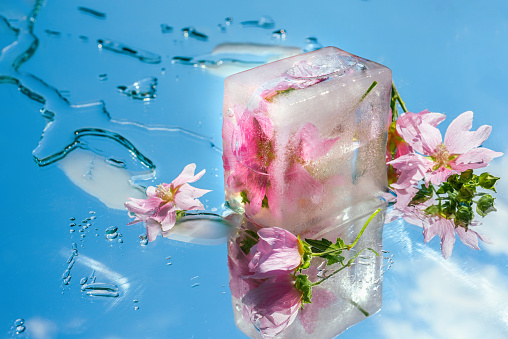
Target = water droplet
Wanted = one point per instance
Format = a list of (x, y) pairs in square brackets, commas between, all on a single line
[(91, 212), (143, 89), (83, 235), (117, 47), (116, 163), (143, 242), (71, 264), (228, 21), (72, 224), (168, 257), (74, 246), (195, 285), (264, 22), (135, 301), (111, 229), (67, 280), (166, 29), (197, 276), (71, 230), (72, 219), (92, 12), (70, 257), (169, 264), (83, 281), (66, 273), (103, 77), (120, 240), (312, 44), (52, 33), (280, 34), (93, 217), (19, 322), (190, 32), (136, 308), (101, 293), (20, 329), (83, 38), (112, 236)]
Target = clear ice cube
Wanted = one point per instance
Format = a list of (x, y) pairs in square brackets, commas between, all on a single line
[(305, 139)]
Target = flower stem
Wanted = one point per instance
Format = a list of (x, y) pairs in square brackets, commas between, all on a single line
[(363, 229), (331, 275), (393, 105), (361, 309)]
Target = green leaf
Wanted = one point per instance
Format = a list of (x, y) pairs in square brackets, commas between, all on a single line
[(466, 176), (466, 193), (464, 215), (180, 214), (303, 284), (485, 205), (487, 181), (245, 200), (250, 239), (424, 194), (433, 210), (307, 254)]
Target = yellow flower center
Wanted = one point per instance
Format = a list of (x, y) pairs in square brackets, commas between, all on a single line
[(164, 193), (441, 156)]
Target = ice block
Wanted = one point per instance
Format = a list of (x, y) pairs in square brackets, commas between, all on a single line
[(304, 140), (338, 303)]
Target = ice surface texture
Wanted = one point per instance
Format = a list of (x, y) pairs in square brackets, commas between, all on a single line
[(304, 140)]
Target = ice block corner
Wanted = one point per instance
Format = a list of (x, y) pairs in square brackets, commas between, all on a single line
[(305, 140)]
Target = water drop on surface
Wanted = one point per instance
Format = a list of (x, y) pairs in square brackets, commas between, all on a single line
[(103, 77), (72, 224), (112, 236), (92, 212), (74, 246), (19, 322), (166, 29), (111, 230), (135, 301), (136, 308), (144, 89), (195, 285), (83, 281), (120, 240), (93, 217), (72, 218), (71, 230), (66, 273), (169, 264), (20, 329), (67, 280), (143, 242)]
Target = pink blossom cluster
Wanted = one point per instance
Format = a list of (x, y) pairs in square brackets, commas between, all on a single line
[(264, 279), (422, 155), (254, 161)]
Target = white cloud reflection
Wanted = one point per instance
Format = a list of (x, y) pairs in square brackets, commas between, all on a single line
[(446, 299)]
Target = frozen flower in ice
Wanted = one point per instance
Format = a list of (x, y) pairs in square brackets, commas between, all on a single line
[(159, 210), (460, 150), (278, 252), (273, 305), (309, 315)]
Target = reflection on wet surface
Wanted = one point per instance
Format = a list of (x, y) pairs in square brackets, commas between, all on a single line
[(92, 276)]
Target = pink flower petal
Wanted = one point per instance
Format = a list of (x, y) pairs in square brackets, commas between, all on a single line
[(300, 184), (422, 136), (469, 237), (143, 206), (185, 197), (439, 176), (311, 146), (444, 228), (475, 158), (165, 216), (459, 139), (187, 175)]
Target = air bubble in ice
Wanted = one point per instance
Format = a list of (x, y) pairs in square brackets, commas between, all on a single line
[(143, 89)]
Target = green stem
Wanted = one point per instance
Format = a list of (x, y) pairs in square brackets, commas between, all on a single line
[(396, 98), (363, 229), (361, 309), (331, 275)]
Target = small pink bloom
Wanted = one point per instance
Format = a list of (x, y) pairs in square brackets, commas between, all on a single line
[(457, 153), (159, 209), (273, 306), (278, 252)]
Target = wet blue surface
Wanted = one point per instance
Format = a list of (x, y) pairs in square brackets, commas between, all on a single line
[(448, 57)]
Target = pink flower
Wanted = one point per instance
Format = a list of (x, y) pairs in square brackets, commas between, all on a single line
[(444, 228), (255, 166), (240, 282), (273, 306), (278, 252), (459, 152), (159, 210)]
